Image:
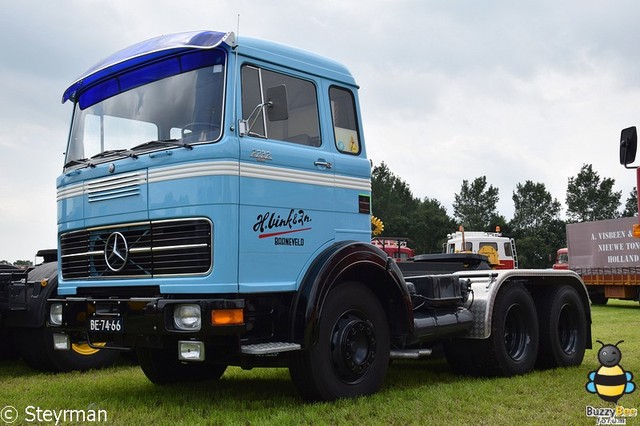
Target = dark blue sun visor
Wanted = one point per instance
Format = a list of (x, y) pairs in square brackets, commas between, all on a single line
[(115, 74)]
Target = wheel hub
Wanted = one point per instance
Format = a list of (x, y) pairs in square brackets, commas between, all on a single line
[(353, 348), (567, 330), (516, 333)]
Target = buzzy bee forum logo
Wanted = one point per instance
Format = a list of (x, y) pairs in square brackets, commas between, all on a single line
[(610, 382)]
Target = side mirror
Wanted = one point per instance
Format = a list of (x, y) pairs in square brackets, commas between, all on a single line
[(277, 103), (628, 145)]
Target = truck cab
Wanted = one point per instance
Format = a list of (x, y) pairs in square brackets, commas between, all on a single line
[(562, 259), (396, 248), (169, 196), (500, 250)]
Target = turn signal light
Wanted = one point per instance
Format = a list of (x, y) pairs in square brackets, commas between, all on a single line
[(636, 230), (227, 316)]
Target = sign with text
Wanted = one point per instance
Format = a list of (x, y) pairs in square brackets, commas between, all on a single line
[(603, 244)]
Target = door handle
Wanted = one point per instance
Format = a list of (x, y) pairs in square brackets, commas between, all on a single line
[(322, 163)]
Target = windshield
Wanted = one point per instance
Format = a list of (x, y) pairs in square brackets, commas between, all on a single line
[(183, 108)]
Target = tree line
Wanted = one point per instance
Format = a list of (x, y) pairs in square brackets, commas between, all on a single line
[(536, 225)]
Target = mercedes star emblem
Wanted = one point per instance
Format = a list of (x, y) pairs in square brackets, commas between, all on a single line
[(116, 252)]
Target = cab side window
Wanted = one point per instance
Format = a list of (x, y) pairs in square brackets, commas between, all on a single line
[(345, 120), (507, 249), (302, 126), (492, 245)]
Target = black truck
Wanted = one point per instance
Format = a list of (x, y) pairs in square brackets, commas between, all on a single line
[(23, 332)]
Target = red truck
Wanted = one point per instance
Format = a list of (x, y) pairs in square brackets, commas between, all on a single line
[(395, 247), (562, 259)]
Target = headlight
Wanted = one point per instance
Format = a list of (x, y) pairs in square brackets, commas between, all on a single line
[(187, 317), (55, 314)]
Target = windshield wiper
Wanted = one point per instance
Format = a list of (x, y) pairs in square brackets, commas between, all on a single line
[(122, 152), (163, 142), (80, 161)]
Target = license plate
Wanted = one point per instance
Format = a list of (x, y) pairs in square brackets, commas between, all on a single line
[(108, 325)]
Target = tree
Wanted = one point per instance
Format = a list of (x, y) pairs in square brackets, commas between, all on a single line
[(631, 205), (533, 207), (431, 225), (589, 198), (392, 201), (536, 225), (474, 206), (425, 223)]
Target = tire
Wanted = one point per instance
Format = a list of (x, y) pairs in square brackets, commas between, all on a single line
[(563, 328), (351, 355), (512, 347), (35, 345), (162, 367), (598, 299), (8, 349), (460, 355)]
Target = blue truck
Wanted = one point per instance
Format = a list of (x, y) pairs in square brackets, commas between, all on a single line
[(214, 210)]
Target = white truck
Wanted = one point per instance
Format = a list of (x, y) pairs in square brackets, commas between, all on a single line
[(500, 250)]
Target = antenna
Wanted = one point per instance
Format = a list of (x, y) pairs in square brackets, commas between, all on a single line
[(235, 78)]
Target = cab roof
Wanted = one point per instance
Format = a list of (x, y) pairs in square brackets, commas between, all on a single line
[(166, 46), (145, 51)]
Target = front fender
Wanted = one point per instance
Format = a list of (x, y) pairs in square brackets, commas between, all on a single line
[(350, 261)]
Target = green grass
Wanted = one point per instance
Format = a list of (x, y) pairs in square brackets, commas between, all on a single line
[(415, 392)]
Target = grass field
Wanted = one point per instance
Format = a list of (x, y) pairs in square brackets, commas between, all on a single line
[(415, 392)]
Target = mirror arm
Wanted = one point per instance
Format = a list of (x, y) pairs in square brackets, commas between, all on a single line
[(245, 126)]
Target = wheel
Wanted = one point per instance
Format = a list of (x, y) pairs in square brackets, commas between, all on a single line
[(598, 299), (351, 355), (512, 346), (8, 349), (460, 355), (563, 328), (162, 366), (35, 345)]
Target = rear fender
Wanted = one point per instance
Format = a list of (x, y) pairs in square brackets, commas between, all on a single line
[(487, 285)]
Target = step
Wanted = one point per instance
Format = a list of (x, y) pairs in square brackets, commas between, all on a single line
[(269, 348)]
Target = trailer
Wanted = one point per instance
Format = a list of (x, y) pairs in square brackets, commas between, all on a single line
[(215, 209), (606, 255)]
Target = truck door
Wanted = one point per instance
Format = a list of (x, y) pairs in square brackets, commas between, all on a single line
[(286, 179)]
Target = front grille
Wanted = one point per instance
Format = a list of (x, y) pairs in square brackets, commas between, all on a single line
[(138, 250)]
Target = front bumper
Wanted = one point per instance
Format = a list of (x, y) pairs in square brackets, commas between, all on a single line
[(126, 323)]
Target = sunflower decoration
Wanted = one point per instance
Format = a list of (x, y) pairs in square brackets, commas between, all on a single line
[(376, 226)]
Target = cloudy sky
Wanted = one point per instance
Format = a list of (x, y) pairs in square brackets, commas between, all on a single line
[(450, 90)]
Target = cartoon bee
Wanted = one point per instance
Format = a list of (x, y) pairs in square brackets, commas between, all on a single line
[(610, 381)]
